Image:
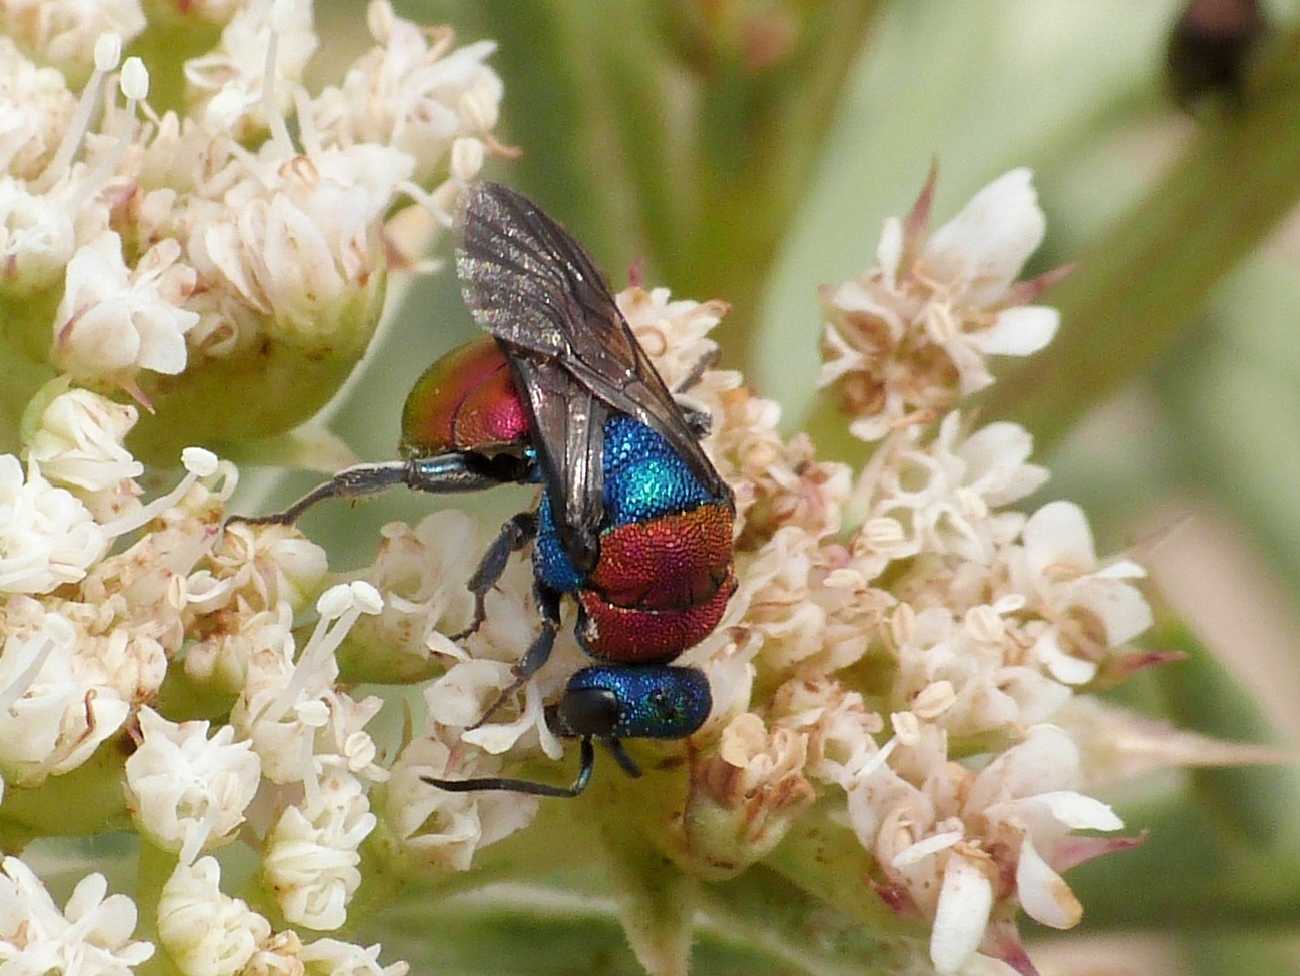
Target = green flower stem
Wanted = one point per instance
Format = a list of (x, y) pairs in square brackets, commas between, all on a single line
[(153, 869), (759, 137), (825, 859), (656, 900), (763, 910), (87, 800), (170, 39), (180, 699), (1138, 286)]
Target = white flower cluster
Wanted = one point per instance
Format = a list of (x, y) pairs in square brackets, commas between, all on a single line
[(899, 641), (89, 639), (990, 623), (91, 935), (159, 241), (910, 337)]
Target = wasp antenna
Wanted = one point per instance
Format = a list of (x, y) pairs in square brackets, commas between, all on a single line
[(625, 762), (523, 785)]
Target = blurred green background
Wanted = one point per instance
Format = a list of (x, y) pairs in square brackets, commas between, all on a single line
[(749, 149)]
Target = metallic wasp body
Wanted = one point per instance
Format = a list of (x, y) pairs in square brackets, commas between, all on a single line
[(634, 522)]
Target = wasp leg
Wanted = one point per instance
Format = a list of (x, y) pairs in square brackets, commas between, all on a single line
[(514, 535), (523, 785), (706, 363), (538, 652), (625, 762), (699, 421), (439, 475)]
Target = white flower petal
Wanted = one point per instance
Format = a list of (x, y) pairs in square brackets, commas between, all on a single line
[(889, 250), (1043, 893), (965, 901), (1064, 667), (1076, 811), (1057, 535), (1122, 609), (1020, 331), (924, 848), (987, 243)]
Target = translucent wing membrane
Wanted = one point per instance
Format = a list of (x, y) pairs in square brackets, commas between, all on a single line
[(534, 287)]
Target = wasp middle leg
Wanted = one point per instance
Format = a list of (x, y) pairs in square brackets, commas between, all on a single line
[(514, 535), (538, 653)]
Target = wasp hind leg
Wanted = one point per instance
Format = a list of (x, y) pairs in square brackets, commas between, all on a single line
[(514, 535), (442, 474), (699, 421), (538, 653)]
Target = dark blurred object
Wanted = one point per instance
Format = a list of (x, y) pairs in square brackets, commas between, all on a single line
[(1210, 49)]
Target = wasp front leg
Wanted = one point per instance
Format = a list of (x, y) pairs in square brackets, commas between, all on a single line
[(438, 475)]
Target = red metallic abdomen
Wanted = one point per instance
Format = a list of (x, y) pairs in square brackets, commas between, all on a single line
[(660, 586), (465, 401)]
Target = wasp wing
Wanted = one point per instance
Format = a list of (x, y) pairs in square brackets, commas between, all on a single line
[(534, 287), (569, 423)]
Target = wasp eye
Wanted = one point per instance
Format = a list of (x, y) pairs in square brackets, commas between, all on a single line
[(590, 711)]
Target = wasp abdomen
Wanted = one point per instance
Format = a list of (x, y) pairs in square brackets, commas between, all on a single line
[(465, 401)]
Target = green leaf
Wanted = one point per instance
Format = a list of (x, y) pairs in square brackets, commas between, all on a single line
[(1139, 285), (1255, 804)]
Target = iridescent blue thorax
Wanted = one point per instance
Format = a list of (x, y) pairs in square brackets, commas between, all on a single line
[(644, 479)]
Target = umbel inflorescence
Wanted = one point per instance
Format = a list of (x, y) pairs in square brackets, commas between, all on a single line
[(906, 661)]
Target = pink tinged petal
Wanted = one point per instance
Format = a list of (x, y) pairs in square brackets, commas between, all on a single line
[(1043, 893), (918, 218), (965, 901), (1070, 852), (924, 848), (1018, 331), (1118, 668), (1025, 292), (1057, 535), (896, 897), (889, 251), (986, 244), (1003, 942), (1121, 569)]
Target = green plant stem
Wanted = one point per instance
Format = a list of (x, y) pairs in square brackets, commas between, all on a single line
[(702, 158), (1138, 286)]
